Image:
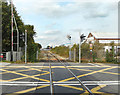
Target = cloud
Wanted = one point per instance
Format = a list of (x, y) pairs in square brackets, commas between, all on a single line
[(51, 25), (55, 9), (52, 32), (54, 20), (77, 30), (49, 40), (40, 38)]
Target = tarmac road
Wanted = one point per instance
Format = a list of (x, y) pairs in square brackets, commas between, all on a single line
[(35, 78)]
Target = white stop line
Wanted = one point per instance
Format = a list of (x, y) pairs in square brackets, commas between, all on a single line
[(23, 83)]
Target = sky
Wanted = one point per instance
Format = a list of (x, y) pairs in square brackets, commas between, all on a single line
[(54, 20)]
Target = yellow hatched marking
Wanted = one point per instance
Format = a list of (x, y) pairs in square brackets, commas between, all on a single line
[(25, 76), (56, 66), (26, 70), (68, 86), (36, 69), (95, 90), (81, 69), (111, 73), (87, 74), (3, 80), (101, 64), (93, 70), (28, 90)]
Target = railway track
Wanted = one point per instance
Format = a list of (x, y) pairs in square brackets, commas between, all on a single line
[(64, 64)]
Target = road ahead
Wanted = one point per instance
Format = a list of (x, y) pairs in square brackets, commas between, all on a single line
[(35, 78)]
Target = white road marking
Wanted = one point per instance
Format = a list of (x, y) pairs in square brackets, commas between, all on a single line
[(15, 83), (58, 84), (94, 64)]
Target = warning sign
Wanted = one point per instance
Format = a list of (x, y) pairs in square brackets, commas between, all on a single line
[(91, 47)]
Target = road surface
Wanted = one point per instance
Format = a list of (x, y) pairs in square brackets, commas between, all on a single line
[(35, 78)]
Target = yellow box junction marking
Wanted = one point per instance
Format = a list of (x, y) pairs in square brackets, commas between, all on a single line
[(86, 74), (93, 70), (95, 90), (27, 76), (68, 86), (28, 90), (24, 75)]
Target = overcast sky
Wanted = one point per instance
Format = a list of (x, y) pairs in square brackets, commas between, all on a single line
[(54, 20)]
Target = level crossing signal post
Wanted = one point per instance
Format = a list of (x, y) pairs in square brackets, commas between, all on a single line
[(82, 38), (69, 38)]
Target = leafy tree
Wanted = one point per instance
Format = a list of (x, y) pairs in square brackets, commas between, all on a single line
[(6, 32), (61, 50), (6, 27), (97, 51)]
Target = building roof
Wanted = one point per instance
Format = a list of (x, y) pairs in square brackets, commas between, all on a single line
[(105, 35)]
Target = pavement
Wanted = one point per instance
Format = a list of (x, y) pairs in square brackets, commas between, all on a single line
[(34, 79), (4, 63)]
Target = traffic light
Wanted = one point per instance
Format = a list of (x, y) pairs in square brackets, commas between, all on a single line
[(82, 37), (22, 36), (69, 37)]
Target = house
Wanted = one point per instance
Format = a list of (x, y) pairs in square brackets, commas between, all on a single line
[(105, 38)]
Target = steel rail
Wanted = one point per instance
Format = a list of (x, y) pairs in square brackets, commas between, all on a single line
[(40, 74), (51, 80), (85, 87)]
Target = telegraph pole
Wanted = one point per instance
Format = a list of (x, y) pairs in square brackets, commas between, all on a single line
[(11, 30), (25, 46)]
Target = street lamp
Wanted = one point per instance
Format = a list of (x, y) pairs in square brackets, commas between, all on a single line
[(69, 38)]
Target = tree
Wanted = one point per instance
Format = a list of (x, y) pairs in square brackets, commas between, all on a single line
[(97, 51), (6, 32), (6, 27)]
